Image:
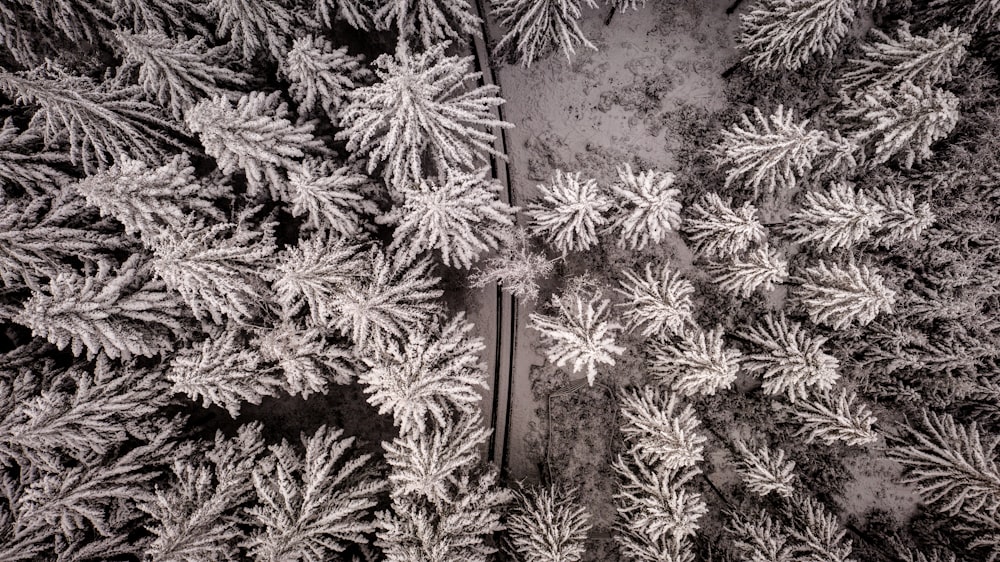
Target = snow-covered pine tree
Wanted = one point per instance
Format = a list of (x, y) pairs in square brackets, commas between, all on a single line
[(764, 471), (100, 121), (252, 27), (569, 213), (902, 123), (198, 514), (314, 504), (158, 15), (656, 514), (152, 200), (422, 105), (460, 215), (658, 431), (357, 13), (40, 237), (307, 360), (547, 525), (770, 153), (333, 200), (115, 309), (223, 370), (455, 529), (786, 34), (321, 76), (759, 537), (832, 418), (310, 276), (255, 137), (762, 268), (659, 302), (177, 73), (516, 268), (424, 464), (218, 270), (902, 219), (716, 229), (924, 61), (391, 303), (839, 218), (981, 16), (792, 361), (698, 363), (431, 22), (952, 465), (26, 164), (837, 296), (818, 532), (534, 27), (580, 333), (646, 209), (433, 375)]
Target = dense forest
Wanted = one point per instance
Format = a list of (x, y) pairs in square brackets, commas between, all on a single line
[(245, 246)]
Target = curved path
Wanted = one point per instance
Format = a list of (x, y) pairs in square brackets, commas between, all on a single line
[(506, 305)]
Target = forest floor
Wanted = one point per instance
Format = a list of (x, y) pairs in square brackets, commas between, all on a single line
[(653, 84)]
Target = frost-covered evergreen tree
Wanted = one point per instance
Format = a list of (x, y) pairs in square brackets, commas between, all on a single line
[(254, 26), (218, 270), (26, 164), (534, 27), (455, 529), (792, 361), (391, 302), (429, 21), (176, 74), (223, 370), (150, 201), (818, 532), (517, 268), (433, 375), (981, 16), (718, 230), (424, 464), (770, 153), (658, 431), (569, 213), (902, 218), (357, 13), (547, 525), (830, 418), (952, 465), (786, 34), (697, 363), (759, 537), (839, 218), (924, 61), (255, 137), (460, 215), (39, 239), (314, 504), (659, 302), (333, 200), (100, 121), (764, 471), (656, 514), (115, 309), (306, 358), (837, 296), (646, 208), (311, 275), (422, 105), (902, 123), (761, 268), (580, 333), (197, 515), (322, 76)]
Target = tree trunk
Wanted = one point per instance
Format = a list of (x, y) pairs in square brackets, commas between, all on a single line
[(611, 14), (735, 5)]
